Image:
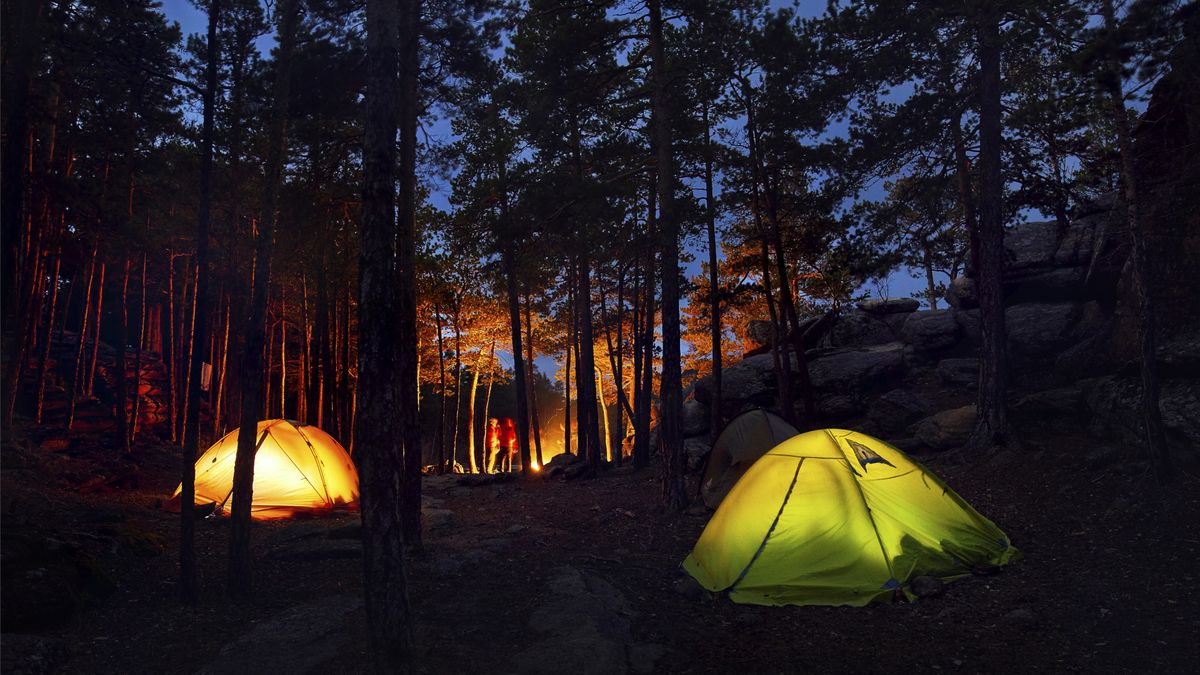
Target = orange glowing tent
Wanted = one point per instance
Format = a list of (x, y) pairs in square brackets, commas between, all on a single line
[(297, 468)]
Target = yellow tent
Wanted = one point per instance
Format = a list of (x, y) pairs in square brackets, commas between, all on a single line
[(297, 467), (746, 438), (835, 517)]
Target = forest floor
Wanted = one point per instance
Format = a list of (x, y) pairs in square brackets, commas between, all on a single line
[(553, 576)]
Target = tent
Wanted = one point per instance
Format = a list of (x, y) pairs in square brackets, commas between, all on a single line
[(746, 438), (297, 467), (835, 517)]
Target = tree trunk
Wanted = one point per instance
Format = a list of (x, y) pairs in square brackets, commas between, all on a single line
[(533, 402), (567, 371), (670, 418), (193, 365), (137, 361), (220, 377), (716, 419), (91, 378), (1156, 440), (240, 582), (457, 385), (586, 383), (44, 359), (991, 425), (473, 466), (381, 444), (408, 365), (508, 256), (641, 431), (188, 586), (440, 437), (83, 326), (121, 375)]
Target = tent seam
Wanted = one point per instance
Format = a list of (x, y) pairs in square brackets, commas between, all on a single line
[(870, 515), (317, 460), (786, 498)]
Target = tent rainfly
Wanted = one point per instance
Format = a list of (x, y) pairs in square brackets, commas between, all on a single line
[(835, 517), (297, 468), (746, 438)]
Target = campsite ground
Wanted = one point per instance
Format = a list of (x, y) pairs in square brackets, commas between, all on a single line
[(582, 576)]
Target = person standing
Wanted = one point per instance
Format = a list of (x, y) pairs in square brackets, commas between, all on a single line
[(508, 444), (491, 444)]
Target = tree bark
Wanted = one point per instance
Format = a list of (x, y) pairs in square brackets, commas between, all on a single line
[(533, 403), (716, 420), (121, 375), (1156, 440), (992, 429), (83, 326), (408, 365), (509, 261), (670, 418), (586, 383), (44, 359), (381, 443), (240, 583), (188, 586)]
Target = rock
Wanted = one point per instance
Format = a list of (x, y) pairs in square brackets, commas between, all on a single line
[(838, 406), (31, 654), (1065, 403), (46, 582), (845, 370), (694, 452), (1031, 244), (897, 409), (1037, 330), (926, 586), (1053, 285), (760, 332), (931, 330), (889, 306), (959, 372), (947, 429), (584, 626), (750, 381), (695, 417), (861, 329), (300, 640), (436, 519), (1021, 616), (960, 294), (1114, 411)]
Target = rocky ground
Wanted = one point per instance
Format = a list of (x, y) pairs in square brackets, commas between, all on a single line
[(557, 576)]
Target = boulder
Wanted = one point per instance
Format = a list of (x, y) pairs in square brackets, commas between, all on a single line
[(947, 429), (959, 372), (1031, 244), (750, 381), (1038, 330), (759, 332), (1053, 285), (889, 306), (846, 370), (960, 294), (694, 452), (303, 639), (838, 407), (897, 409), (861, 329), (584, 625), (1113, 406), (695, 417), (931, 330)]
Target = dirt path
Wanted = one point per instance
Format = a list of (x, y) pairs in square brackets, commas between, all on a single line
[(582, 576)]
